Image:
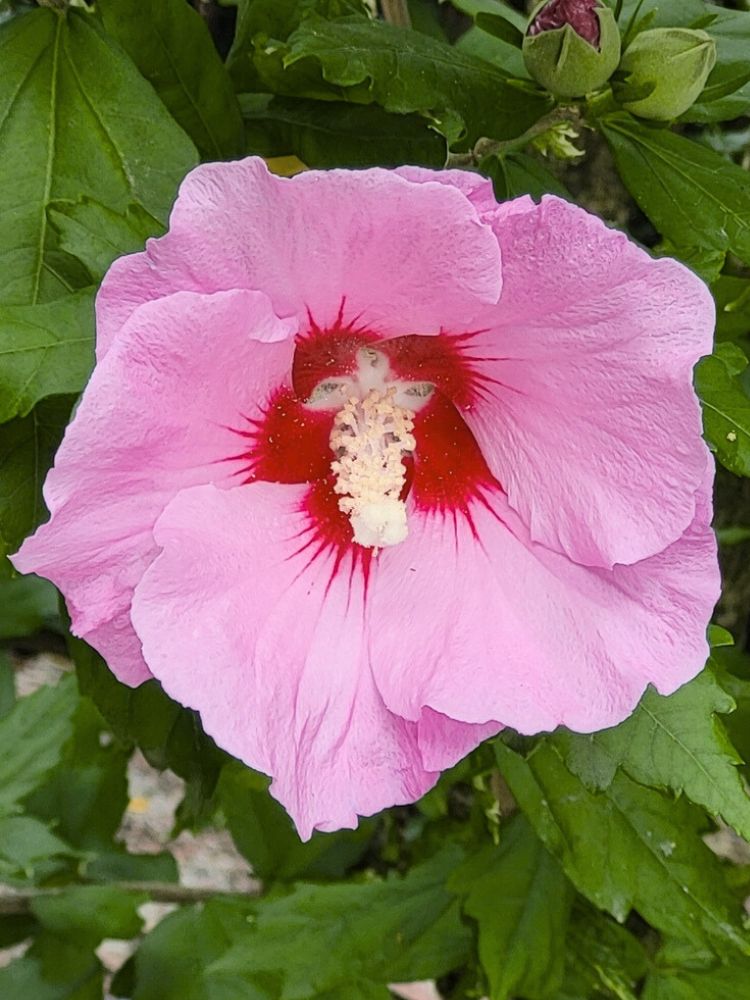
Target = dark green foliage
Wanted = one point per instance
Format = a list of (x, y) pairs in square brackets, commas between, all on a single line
[(676, 743), (77, 120), (462, 96), (514, 174), (27, 604), (33, 735), (628, 847), (332, 134), (48, 349), (516, 892), (690, 193), (171, 46), (400, 929), (726, 406), (27, 445)]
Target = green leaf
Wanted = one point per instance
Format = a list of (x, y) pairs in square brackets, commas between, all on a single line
[(24, 843), (117, 865), (399, 930), (602, 958), (96, 235), (692, 195), (15, 928), (264, 834), (473, 8), (719, 982), (726, 407), (53, 969), (46, 350), (27, 445), (627, 847), (732, 667), (727, 92), (718, 636), (7, 684), (663, 13), (675, 742), (171, 46), (427, 18), (27, 604), (76, 120), (32, 736), (517, 894), (481, 45), (90, 913), (732, 297), (86, 794), (274, 19), (501, 27), (405, 72), (724, 98), (514, 174), (171, 963), (332, 134)]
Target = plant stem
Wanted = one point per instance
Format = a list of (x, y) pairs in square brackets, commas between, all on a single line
[(17, 902), (488, 147), (396, 12)]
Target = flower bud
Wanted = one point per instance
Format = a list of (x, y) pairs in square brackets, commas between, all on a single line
[(672, 64), (572, 47)]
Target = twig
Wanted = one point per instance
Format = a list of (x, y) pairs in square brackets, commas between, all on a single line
[(396, 12), (486, 147), (17, 902)]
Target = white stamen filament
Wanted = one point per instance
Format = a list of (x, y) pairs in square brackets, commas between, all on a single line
[(370, 438)]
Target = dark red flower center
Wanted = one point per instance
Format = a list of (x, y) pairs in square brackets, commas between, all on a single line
[(579, 14), (442, 468)]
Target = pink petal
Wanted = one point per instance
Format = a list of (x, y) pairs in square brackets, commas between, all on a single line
[(477, 189), (115, 639), (272, 653), (477, 622), (443, 741), (155, 418), (587, 416), (405, 256)]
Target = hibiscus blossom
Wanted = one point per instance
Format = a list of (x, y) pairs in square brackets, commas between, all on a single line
[(371, 466)]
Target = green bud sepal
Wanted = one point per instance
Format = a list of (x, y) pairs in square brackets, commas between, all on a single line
[(566, 63), (664, 70)]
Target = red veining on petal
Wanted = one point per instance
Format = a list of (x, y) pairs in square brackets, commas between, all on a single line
[(289, 443), (324, 354), (449, 469), (327, 531), (443, 360)]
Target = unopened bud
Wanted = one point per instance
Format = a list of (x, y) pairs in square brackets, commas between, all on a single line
[(671, 65), (572, 47)]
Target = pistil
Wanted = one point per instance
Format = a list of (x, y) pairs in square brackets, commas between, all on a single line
[(370, 438)]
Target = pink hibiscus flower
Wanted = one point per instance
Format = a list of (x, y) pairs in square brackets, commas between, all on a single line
[(371, 466)]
